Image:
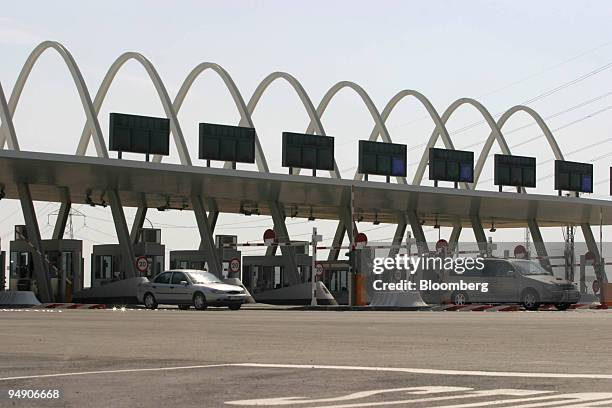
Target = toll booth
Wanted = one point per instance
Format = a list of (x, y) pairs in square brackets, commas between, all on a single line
[(264, 273), (336, 279), (65, 259), (195, 259), (108, 265)]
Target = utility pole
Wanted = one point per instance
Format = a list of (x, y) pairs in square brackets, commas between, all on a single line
[(313, 268)]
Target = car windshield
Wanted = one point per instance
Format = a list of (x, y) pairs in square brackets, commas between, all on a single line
[(527, 267), (203, 277)]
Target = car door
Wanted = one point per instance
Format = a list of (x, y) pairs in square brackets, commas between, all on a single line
[(161, 287), (503, 284), (180, 293)]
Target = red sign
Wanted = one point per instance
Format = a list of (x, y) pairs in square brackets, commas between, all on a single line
[(589, 258), (142, 264), (269, 237), (520, 251), (319, 269), (361, 240), (234, 265), (441, 244)]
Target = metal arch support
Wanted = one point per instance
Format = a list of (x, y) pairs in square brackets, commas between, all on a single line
[(78, 81), (341, 229), (245, 117), (484, 154), (41, 268), (433, 113), (398, 237), (207, 243), (315, 117), (123, 234), (417, 232), (164, 98), (288, 252), (329, 95), (63, 213), (600, 271), (41, 265), (418, 177), (7, 122), (139, 219)]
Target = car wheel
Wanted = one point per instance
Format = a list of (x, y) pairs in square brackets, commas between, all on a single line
[(530, 300), (562, 306), (184, 307), (149, 301), (199, 301), (459, 298), (235, 307)]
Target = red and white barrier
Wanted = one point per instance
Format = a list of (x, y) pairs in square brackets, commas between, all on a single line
[(72, 306)]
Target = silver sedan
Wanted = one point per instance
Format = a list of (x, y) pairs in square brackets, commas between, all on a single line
[(189, 287)]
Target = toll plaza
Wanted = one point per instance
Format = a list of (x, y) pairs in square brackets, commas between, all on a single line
[(65, 260), (77, 179), (227, 252), (108, 263)]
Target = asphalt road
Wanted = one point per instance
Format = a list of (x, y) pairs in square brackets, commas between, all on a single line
[(345, 359)]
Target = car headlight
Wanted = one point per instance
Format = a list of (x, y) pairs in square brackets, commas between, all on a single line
[(216, 291)]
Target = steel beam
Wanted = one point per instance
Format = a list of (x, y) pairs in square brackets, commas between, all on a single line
[(213, 216), (453, 241), (398, 237), (481, 238), (288, 252), (41, 265), (139, 219), (207, 242), (536, 236), (599, 268), (344, 220), (123, 234), (62, 216), (417, 232)]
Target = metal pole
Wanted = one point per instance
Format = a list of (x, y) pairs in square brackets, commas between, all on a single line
[(313, 284), (351, 234)]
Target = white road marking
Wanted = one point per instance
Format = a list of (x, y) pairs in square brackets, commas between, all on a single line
[(433, 371), (411, 391), (332, 367), (557, 400), (130, 370), (348, 397)]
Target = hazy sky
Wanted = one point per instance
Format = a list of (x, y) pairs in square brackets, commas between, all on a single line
[(501, 52)]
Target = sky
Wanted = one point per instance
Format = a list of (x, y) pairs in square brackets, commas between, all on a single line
[(554, 56)]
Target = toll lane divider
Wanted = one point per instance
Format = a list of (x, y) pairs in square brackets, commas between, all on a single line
[(71, 306)]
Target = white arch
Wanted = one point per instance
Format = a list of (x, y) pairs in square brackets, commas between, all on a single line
[(78, 81), (7, 122), (484, 154), (315, 118), (329, 95), (433, 113), (245, 117), (175, 127), (418, 176)]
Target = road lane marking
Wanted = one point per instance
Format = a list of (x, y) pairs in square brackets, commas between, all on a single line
[(331, 367), (469, 393), (527, 398), (129, 370), (432, 371)]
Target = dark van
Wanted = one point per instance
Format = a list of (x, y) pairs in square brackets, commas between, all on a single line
[(521, 281)]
